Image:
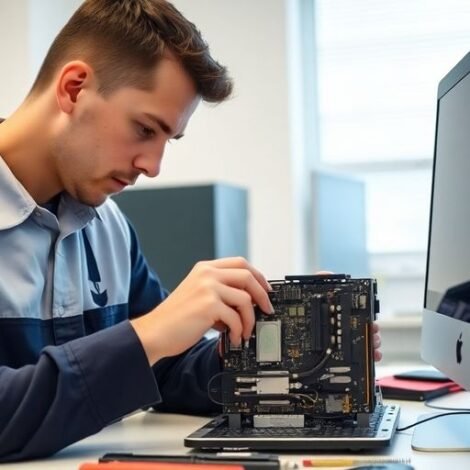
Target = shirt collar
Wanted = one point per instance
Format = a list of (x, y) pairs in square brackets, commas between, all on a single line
[(16, 204)]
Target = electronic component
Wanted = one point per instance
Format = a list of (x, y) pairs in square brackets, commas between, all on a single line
[(268, 341), (278, 421), (312, 357)]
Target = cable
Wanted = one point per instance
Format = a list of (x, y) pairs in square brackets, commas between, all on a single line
[(321, 363), (431, 418), (308, 397), (444, 408), (209, 394)]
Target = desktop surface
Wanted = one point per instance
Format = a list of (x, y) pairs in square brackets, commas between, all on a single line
[(158, 433)]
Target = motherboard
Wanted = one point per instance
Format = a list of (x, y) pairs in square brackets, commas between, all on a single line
[(311, 358)]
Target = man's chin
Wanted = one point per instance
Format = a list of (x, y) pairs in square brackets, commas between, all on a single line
[(91, 200), (95, 202)]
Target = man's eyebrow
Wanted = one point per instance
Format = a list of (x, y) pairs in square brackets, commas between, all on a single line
[(165, 127)]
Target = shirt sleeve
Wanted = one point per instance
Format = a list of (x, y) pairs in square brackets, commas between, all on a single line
[(188, 375), (180, 376), (73, 391)]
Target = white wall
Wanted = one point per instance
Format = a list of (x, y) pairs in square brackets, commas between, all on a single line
[(245, 141), (15, 78), (45, 19)]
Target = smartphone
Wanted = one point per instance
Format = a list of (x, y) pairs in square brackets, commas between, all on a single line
[(431, 375)]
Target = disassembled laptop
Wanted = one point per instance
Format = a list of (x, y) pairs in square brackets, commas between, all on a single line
[(307, 366), (312, 358)]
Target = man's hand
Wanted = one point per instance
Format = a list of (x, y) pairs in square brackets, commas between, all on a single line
[(216, 294), (377, 342)]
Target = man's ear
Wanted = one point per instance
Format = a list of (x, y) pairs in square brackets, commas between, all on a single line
[(73, 78)]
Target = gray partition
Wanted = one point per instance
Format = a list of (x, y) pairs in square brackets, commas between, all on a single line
[(339, 224), (178, 226)]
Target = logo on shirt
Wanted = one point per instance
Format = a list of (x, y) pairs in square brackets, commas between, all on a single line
[(100, 296)]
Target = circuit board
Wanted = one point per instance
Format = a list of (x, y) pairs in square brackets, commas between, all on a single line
[(311, 358)]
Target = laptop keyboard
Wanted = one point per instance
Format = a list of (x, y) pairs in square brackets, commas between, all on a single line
[(321, 429)]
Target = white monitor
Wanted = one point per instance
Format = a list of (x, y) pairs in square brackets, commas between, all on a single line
[(445, 341)]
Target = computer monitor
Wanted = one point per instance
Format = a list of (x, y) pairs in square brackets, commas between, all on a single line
[(445, 341)]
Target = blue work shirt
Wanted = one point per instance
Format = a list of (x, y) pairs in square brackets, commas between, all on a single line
[(70, 362)]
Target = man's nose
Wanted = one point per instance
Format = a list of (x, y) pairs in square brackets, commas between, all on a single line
[(149, 163)]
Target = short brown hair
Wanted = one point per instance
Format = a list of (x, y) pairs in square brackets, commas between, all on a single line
[(123, 40)]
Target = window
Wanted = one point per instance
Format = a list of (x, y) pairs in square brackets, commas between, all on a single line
[(378, 67)]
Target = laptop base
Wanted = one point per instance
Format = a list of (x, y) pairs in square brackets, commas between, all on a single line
[(327, 434)]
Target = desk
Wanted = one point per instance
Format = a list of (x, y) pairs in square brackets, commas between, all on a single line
[(164, 433)]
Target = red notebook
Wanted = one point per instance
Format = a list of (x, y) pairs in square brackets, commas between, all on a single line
[(417, 390)]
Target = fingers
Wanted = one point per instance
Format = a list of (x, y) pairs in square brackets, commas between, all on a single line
[(220, 347), (241, 263), (232, 318), (245, 281), (377, 342), (237, 285), (376, 339), (240, 302)]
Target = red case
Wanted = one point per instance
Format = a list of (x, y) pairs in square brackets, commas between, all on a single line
[(417, 390)]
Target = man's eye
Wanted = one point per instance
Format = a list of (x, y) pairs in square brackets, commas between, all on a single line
[(144, 131)]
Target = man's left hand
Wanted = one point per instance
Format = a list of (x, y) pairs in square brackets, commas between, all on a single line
[(377, 342)]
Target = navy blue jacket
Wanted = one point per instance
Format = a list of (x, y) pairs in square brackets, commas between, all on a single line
[(70, 362)]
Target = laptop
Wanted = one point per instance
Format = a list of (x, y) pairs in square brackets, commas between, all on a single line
[(305, 380)]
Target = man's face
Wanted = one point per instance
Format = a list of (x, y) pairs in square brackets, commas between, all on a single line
[(108, 142)]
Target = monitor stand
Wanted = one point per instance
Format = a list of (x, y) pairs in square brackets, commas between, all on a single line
[(445, 434)]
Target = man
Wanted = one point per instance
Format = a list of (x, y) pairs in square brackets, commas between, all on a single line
[(87, 332)]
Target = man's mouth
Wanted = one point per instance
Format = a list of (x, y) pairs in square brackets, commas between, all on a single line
[(121, 183)]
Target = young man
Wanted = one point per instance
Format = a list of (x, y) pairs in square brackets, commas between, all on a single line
[(87, 332)]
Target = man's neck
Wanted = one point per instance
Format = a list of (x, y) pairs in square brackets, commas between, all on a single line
[(25, 146)]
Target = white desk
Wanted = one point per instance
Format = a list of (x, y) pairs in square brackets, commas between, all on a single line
[(164, 433)]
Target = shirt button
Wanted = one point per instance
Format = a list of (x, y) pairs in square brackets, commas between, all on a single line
[(38, 214), (59, 310)]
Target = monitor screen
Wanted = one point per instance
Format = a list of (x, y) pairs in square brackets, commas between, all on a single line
[(445, 341), (448, 274)]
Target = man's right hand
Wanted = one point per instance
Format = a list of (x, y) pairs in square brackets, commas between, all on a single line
[(216, 294)]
